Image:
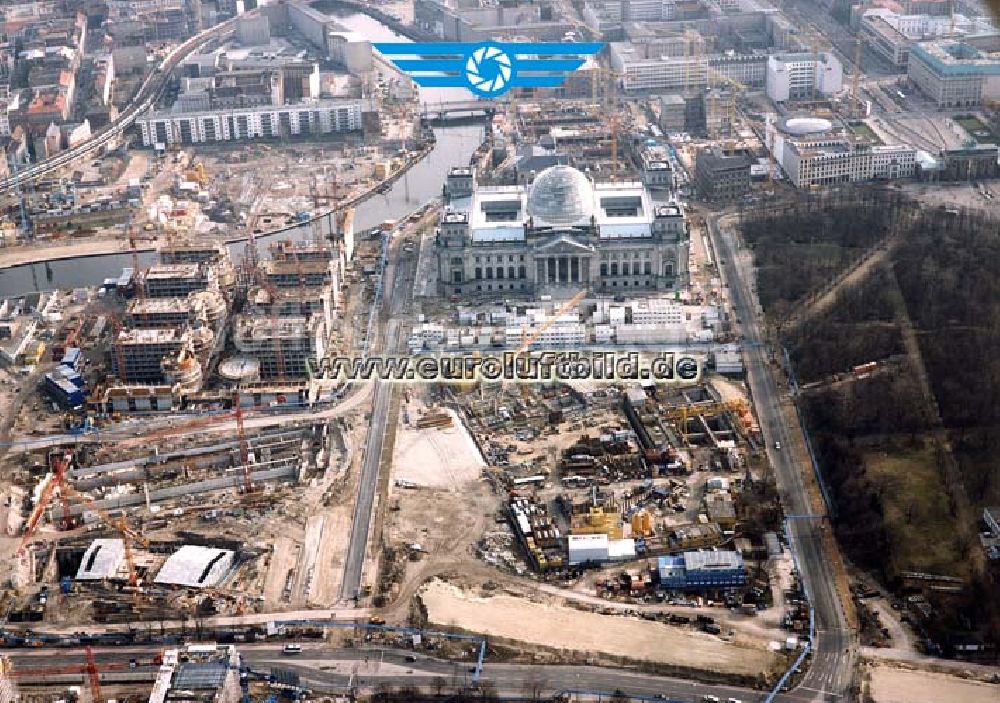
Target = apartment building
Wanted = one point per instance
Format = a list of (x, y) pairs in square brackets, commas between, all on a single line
[(312, 118)]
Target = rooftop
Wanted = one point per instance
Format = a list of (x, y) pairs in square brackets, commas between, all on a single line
[(712, 561), (194, 565), (142, 336), (166, 271), (102, 560)]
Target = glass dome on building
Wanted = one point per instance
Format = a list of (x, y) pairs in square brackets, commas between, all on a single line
[(561, 195)]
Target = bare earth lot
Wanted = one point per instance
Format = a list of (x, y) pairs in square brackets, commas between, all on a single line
[(890, 685), (577, 631)]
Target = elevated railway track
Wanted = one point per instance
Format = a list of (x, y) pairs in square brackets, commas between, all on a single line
[(145, 98)]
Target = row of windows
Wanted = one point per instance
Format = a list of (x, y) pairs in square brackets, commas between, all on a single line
[(500, 286), (635, 283), (625, 255), (627, 270), (511, 273), (489, 258)]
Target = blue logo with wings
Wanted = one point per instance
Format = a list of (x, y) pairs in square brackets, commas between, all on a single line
[(488, 69)]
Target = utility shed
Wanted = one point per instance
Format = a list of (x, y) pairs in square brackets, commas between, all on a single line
[(102, 560), (195, 566), (621, 549), (588, 548)]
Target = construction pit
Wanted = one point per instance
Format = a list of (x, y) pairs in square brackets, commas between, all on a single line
[(452, 556), (188, 529)]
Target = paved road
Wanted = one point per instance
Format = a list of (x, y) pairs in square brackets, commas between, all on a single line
[(324, 667), (830, 673), (397, 295)]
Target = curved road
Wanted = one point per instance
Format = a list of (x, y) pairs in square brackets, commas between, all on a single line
[(145, 97)]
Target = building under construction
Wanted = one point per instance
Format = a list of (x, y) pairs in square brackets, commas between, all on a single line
[(284, 346)]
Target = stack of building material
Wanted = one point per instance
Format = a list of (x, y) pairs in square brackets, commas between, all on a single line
[(437, 420)]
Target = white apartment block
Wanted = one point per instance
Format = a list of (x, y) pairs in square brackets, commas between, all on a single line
[(802, 76), (646, 10), (261, 122)]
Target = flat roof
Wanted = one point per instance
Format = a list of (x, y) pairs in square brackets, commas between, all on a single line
[(165, 271), (701, 561), (156, 335)]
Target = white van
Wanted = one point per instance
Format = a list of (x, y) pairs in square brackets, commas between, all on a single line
[(292, 649)]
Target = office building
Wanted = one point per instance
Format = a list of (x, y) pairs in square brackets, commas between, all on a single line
[(957, 73), (176, 280), (702, 569), (642, 71), (144, 351), (285, 346), (721, 174), (803, 76), (813, 151)]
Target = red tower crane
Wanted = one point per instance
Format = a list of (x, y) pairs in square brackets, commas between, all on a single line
[(89, 668), (244, 446)]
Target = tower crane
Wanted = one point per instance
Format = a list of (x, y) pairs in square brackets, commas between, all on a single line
[(241, 434), (680, 415), (528, 339), (60, 462), (856, 79), (89, 668)]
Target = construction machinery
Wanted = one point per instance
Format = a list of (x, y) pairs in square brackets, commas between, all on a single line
[(527, 339), (60, 462), (680, 415), (196, 173), (244, 445), (89, 669)]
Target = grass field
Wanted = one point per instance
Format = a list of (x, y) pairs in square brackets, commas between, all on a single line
[(917, 514), (863, 130), (976, 129)]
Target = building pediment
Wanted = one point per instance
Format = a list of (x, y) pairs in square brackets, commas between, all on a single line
[(564, 245)]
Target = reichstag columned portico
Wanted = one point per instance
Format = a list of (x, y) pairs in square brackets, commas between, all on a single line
[(557, 235)]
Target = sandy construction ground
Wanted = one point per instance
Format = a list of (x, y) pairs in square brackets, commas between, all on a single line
[(435, 458), (891, 685), (573, 630)]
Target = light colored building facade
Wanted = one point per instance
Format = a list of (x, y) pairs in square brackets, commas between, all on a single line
[(803, 76), (829, 161), (261, 122), (558, 235), (666, 73), (891, 45), (957, 74)]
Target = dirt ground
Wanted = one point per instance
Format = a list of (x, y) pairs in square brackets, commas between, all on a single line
[(578, 631), (435, 458), (892, 685)]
